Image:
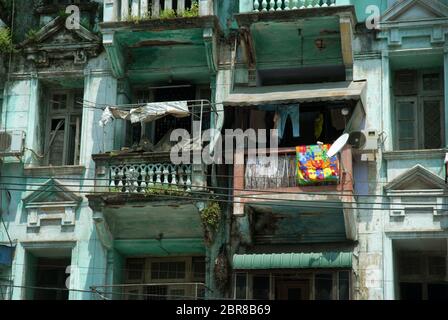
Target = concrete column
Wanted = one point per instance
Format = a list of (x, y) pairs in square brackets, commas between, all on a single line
[(445, 71), (387, 110), (100, 89), (388, 269), (19, 273)]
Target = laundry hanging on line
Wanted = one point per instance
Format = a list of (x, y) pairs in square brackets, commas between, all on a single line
[(282, 113), (146, 113)]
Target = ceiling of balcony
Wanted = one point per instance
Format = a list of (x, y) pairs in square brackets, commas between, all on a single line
[(150, 220), (293, 43), (322, 222), (169, 55)]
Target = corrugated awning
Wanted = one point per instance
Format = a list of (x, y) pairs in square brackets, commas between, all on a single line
[(292, 260), (330, 91)]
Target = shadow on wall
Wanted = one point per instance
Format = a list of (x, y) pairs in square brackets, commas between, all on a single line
[(10, 198)]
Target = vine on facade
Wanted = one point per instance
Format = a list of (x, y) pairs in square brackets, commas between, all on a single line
[(211, 217), (6, 45)]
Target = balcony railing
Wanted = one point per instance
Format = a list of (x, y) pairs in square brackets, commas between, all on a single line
[(128, 10), (152, 291), (261, 175), (139, 173), (284, 5), (141, 176)]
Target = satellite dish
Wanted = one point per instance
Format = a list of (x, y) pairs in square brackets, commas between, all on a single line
[(338, 145), (357, 139)]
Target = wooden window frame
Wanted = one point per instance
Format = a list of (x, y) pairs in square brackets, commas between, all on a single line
[(71, 111), (419, 100), (310, 275), (416, 121)]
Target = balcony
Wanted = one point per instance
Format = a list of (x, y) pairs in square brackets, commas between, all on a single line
[(179, 36), (281, 36), (127, 10), (292, 209), (146, 172), (255, 179), (142, 201), (284, 5)]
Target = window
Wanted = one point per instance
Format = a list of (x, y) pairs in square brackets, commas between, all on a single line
[(241, 286), (135, 270), (293, 286), (64, 128), (419, 110), (323, 286), (344, 285), (167, 270), (165, 278), (261, 287)]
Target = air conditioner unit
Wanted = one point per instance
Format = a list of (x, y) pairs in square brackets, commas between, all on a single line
[(364, 141), (11, 143)]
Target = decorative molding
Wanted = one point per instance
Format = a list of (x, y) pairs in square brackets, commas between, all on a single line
[(418, 172), (427, 197), (52, 201), (54, 44), (415, 154), (54, 171), (436, 8)]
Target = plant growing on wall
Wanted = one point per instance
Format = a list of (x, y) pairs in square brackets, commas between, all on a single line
[(211, 217), (191, 12), (165, 190), (6, 45), (31, 34), (167, 14)]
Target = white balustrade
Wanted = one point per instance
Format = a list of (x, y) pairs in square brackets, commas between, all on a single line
[(137, 178), (282, 5), (123, 10)]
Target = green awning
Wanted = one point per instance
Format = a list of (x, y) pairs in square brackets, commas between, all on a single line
[(293, 260)]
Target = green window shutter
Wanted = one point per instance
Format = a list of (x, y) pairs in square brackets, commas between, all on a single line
[(406, 83), (407, 124), (432, 126)]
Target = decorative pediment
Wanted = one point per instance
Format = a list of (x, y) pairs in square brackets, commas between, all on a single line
[(405, 11), (55, 42), (51, 202), (51, 192), (417, 178)]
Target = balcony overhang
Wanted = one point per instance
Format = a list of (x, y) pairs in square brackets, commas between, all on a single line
[(331, 91), (323, 197), (157, 50), (321, 260), (266, 37), (137, 216)]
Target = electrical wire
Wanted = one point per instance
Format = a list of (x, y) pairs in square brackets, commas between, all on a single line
[(257, 191), (257, 195), (273, 201)]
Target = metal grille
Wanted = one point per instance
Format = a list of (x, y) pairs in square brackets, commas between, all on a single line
[(432, 124)]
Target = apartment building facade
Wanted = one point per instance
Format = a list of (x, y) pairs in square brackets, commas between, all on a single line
[(93, 203)]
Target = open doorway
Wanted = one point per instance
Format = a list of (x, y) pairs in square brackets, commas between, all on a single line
[(50, 273), (46, 273)]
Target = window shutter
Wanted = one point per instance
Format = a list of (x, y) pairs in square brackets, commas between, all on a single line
[(432, 127), (406, 124), (406, 83), (57, 137)]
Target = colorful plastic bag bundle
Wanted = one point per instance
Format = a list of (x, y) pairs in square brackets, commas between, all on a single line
[(315, 167)]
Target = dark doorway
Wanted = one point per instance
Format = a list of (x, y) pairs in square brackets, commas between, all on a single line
[(51, 273)]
